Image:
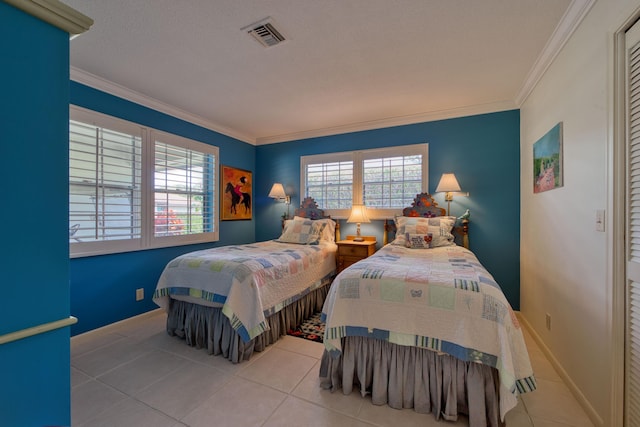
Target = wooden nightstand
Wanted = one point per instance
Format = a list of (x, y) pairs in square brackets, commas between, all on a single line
[(350, 252)]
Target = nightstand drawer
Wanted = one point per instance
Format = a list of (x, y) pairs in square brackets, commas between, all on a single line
[(346, 261), (352, 250)]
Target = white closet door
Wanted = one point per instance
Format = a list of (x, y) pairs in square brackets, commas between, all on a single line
[(632, 356)]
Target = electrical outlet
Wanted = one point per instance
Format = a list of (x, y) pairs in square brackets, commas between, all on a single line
[(139, 294), (548, 319)]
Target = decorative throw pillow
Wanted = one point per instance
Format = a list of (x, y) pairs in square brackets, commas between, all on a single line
[(328, 232), (418, 241), (439, 227), (303, 232)]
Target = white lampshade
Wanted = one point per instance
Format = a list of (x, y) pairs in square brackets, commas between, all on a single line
[(358, 214), (448, 183), (277, 192)]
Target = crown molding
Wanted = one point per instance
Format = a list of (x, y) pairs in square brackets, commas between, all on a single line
[(115, 89), (392, 121), (109, 87), (55, 13), (58, 14), (573, 16)]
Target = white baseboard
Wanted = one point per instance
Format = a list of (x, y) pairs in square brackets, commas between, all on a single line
[(120, 323), (573, 388)]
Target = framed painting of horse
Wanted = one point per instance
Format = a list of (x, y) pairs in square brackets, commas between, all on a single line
[(235, 193)]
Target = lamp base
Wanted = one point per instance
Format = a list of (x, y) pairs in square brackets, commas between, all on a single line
[(358, 237)]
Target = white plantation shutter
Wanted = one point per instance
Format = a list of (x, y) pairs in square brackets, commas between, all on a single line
[(330, 184), (632, 368), (384, 179), (133, 188), (104, 183), (183, 190), (391, 181)]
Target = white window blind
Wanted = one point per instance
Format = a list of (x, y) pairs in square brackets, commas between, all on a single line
[(133, 188), (384, 179), (104, 183), (183, 194), (330, 184), (391, 182)]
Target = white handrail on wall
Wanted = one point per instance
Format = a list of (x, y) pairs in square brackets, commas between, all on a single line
[(35, 330)]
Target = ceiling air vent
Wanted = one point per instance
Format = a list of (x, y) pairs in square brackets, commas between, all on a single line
[(265, 32)]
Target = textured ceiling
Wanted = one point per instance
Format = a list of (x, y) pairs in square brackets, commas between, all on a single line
[(347, 64)]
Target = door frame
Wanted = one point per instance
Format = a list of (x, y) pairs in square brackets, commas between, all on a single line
[(617, 200)]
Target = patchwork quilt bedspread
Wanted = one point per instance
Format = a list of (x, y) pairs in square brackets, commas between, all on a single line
[(441, 299), (249, 282)]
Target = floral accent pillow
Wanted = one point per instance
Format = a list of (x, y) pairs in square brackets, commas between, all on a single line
[(439, 227), (418, 241), (302, 232)]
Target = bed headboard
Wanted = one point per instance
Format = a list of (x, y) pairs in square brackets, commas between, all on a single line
[(424, 206), (309, 209)]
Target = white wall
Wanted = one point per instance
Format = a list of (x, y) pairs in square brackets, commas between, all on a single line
[(564, 269)]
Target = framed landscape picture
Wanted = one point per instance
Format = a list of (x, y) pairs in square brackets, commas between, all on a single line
[(235, 193), (547, 161)]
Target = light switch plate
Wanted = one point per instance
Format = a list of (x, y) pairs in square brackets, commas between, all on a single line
[(600, 215)]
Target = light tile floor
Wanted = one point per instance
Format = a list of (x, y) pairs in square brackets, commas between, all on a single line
[(133, 374)]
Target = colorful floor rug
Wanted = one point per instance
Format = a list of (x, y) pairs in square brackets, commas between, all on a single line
[(311, 329)]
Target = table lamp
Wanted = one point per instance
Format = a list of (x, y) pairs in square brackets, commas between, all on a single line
[(358, 215)]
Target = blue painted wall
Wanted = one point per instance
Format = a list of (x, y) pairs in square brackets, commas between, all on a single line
[(484, 153), (103, 287), (482, 150), (34, 76), (40, 284)]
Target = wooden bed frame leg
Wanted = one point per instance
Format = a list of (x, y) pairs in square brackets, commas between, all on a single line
[(465, 233), (385, 235)]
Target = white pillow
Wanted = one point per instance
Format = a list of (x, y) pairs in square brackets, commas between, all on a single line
[(439, 227), (303, 232), (328, 232)]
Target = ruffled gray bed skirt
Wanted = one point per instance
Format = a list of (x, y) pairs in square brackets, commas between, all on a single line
[(206, 327), (411, 377)]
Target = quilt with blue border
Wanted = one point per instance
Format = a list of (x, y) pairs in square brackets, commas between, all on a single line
[(249, 282), (441, 299)]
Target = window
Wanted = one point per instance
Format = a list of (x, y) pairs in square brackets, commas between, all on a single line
[(183, 190), (133, 188), (385, 179), (104, 182), (330, 182), (391, 181)]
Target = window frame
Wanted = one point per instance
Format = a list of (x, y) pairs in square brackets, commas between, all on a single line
[(186, 239), (326, 158), (358, 157), (147, 240)]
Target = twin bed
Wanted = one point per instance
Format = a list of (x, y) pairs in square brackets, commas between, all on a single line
[(420, 324), (235, 300)]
